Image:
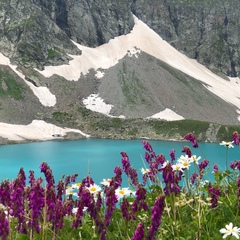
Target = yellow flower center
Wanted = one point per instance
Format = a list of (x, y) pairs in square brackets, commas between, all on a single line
[(121, 192), (185, 164), (93, 189), (78, 184), (109, 180)]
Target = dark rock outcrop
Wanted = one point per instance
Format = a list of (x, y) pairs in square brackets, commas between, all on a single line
[(39, 32), (203, 30)]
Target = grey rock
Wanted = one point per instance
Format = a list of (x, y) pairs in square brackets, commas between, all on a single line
[(203, 30)]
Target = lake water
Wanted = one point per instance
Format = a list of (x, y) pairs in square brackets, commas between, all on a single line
[(97, 156)]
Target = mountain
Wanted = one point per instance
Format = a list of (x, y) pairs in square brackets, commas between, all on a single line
[(88, 65)]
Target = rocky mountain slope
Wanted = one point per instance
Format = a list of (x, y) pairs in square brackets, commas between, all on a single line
[(133, 75)]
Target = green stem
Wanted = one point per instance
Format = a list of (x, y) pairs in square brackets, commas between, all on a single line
[(226, 158), (187, 181)]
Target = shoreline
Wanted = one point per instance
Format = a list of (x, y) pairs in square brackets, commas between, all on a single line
[(4, 142)]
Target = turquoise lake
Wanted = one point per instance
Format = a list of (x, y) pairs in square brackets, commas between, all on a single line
[(97, 156)]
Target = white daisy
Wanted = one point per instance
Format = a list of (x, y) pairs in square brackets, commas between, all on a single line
[(177, 167), (195, 159), (229, 230), (70, 191), (144, 171), (94, 188), (122, 192), (227, 144), (106, 182), (76, 185)]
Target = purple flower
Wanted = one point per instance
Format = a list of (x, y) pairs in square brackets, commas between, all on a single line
[(117, 179), (74, 177), (193, 177), (48, 173), (111, 200), (17, 202), (147, 146), (190, 137), (172, 155), (215, 168), (236, 138), (214, 192), (157, 211), (187, 150), (126, 210), (35, 204), (5, 192), (88, 181), (232, 165), (235, 165), (130, 172), (139, 202), (201, 166), (170, 179), (139, 232), (4, 225), (160, 159)]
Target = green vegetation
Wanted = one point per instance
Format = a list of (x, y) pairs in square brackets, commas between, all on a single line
[(62, 117), (9, 87), (53, 52), (225, 132), (180, 127)]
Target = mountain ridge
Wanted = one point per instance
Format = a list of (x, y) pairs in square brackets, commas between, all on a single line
[(143, 79)]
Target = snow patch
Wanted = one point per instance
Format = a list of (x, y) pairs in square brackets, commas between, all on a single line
[(97, 104), (37, 130), (99, 74), (168, 115)]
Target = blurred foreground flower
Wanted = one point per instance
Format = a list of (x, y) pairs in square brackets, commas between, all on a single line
[(122, 192), (227, 144), (106, 182), (229, 230), (143, 171), (94, 188)]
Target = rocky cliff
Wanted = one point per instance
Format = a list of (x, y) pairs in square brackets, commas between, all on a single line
[(39, 32), (205, 30)]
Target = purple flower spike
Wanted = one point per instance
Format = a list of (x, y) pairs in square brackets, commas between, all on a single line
[(157, 211), (187, 150), (190, 137), (214, 192), (236, 138), (147, 146), (4, 225), (36, 204), (232, 165), (127, 168), (203, 165), (215, 168), (139, 233), (193, 177), (139, 202), (172, 155)]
